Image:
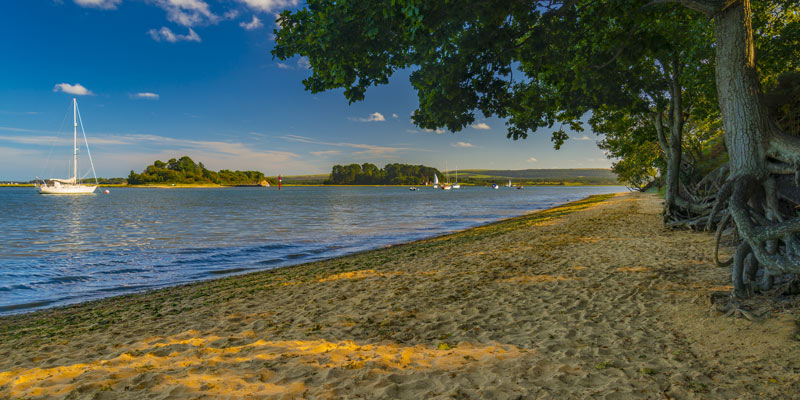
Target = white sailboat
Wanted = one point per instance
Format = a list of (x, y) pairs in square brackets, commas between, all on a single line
[(435, 181), (71, 185), (509, 183), (456, 185)]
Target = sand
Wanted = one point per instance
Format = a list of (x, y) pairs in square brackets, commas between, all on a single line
[(590, 300)]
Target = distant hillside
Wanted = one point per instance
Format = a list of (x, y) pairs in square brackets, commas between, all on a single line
[(591, 176), (316, 179), (586, 176)]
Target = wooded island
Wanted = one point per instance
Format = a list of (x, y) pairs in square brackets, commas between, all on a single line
[(185, 171)]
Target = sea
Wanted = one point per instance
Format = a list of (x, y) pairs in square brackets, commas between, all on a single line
[(59, 250)]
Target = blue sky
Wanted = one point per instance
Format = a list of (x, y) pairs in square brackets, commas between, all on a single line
[(157, 79)]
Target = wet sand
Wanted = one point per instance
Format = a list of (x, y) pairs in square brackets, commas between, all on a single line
[(593, 299)]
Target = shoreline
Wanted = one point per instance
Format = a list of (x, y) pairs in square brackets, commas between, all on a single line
[(190, 186), (588, 299), (87, 303)]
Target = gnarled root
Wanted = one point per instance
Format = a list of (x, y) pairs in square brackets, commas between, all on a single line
[(770, 246)]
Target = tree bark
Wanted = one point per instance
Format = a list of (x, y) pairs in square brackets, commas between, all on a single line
[(675, 137), (744, 116)]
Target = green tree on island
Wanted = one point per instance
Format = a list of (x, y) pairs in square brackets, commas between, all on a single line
[(629, 63), (391, 174), (185, 171)]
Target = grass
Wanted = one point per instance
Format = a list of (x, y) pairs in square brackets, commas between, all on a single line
[(603, 365)]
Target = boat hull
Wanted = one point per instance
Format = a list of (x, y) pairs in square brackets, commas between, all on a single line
[(67, 189)]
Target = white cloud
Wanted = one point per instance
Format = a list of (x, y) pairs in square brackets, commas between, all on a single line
[(102, 4), (303, 63), (19, 112), (367, 149), (146, 96), (269, 6), (231, 14), (115, 154), (326, 153), (438, 131), (412, 131), (76, 89), (584, 137), (532, 159), (254, 24), (55, 140), (374, 117), (167, 35), (462, 144), (187, 12), (395, 115), (283, 66), (481, 126), (48, 138)]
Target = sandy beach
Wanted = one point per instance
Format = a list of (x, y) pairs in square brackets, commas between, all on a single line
[(593, 299)]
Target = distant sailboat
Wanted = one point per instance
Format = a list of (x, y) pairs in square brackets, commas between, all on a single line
[(509, 183), (435, 181), (446, 186), (71, 185), (456, 185)]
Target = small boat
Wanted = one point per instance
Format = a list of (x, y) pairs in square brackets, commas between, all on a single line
[(456, 185), (435, 181), (494, 186), (509, 184), (413, 189), (71, 185), (446, 187)]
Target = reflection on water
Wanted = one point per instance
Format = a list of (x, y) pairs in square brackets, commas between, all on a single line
[(56, 250)]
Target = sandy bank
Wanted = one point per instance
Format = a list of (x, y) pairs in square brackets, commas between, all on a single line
[(592, 299)]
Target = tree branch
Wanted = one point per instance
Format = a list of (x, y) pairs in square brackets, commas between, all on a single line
[(707, 7)]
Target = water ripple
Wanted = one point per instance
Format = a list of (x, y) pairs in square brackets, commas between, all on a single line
[(57, 250)]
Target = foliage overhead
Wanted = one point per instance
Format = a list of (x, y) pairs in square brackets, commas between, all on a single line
[(534, 65)]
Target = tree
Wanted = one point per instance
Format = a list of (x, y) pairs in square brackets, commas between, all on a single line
[(369, 174), (631, 139), (466, 53)]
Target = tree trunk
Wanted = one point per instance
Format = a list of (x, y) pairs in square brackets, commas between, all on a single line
[(744, 116), (769, 234), (675, 154), (672, 149)]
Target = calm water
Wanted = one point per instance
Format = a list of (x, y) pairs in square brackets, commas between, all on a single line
[(56, 250)]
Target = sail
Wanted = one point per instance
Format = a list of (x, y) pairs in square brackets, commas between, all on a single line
[(71, 185), (435, 179)]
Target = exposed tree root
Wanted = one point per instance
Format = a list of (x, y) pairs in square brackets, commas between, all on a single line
[(759, 216), (769, 249)]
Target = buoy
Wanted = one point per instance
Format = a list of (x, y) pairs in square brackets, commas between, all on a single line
[(106, 192)]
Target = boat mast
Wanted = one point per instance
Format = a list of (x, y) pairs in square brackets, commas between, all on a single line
[(75, 141)]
